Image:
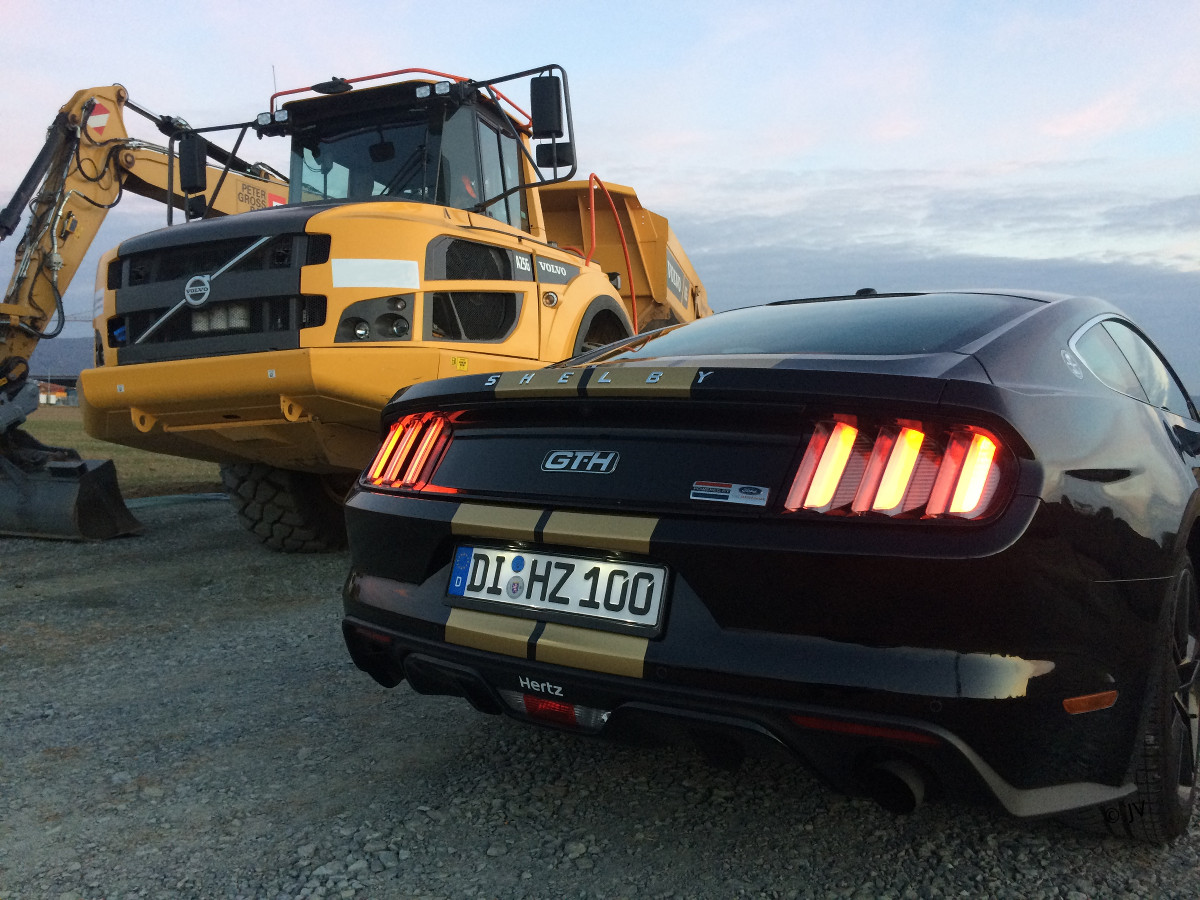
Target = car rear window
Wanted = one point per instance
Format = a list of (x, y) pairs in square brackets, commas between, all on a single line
[(866, 326)]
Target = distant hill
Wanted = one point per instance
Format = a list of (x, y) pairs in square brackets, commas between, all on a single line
[(61, 356)]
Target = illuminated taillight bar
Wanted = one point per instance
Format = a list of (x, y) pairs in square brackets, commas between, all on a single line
[(966, 477), (411, 444), (902, 461), (412, 430), (821, 470), (907, 468), (375, 471), (976, 469), (434, 429)]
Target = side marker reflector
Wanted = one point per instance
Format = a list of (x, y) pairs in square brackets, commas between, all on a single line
[(1090, 702), (862, 729)]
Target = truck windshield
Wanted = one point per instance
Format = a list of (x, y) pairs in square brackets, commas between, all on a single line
[(422, 159), (334, 161)]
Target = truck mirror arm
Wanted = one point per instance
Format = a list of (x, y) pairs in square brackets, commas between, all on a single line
[(542, 180)]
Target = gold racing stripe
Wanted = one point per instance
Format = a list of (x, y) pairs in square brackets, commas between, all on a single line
[(500, 522), (593, 530), (594, 651), (538, 383), (488, 631), (641, 381)]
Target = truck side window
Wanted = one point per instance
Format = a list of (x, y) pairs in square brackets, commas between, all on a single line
[(458, 176), (498, 153), (510, 157)]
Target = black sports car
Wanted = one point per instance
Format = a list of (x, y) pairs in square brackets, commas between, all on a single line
[(921, 541)]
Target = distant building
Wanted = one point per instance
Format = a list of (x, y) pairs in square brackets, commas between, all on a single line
[(51, 394)]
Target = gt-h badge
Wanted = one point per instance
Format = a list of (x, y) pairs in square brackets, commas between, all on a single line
[(596, 461)]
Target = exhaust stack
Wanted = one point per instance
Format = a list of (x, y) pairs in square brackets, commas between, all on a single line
[(897, 786)]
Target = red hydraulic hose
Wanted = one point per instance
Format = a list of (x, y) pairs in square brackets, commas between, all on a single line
[(594, 179)]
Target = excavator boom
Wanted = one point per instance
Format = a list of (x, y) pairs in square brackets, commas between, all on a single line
[(87, 161)]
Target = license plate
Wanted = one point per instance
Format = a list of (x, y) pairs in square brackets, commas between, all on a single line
[(550, 583)]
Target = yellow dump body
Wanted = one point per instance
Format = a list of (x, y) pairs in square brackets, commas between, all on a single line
[(667, 288)]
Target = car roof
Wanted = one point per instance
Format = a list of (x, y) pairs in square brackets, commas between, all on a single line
[(1043, 296)]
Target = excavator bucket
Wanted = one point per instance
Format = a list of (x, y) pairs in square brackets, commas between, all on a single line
[(77, 500)]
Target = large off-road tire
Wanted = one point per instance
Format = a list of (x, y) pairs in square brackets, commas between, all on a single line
[(293, 512), (1165, 762)]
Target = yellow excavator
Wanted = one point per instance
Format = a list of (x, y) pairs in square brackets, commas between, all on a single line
[(87, 162), (427, 226)]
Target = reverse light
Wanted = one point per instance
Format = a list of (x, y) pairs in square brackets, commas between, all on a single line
[(896, 468), (411, 452)]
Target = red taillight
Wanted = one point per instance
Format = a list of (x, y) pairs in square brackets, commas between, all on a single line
[(550, 710), (411, 451), (821, 470), (587, 718), (898, 468)]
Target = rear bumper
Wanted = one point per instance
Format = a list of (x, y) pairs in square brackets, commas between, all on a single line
[(847, 659), (841, 746)]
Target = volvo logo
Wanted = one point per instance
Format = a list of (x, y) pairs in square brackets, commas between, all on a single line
[(552, 268), (195, 292), (596, 461)]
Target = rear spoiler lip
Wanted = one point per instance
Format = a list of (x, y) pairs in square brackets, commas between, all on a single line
[(888, 385)]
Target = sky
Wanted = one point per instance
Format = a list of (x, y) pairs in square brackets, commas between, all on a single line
[(797, 148)]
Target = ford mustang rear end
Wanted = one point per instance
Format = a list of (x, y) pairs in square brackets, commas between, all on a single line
[(920, 542)]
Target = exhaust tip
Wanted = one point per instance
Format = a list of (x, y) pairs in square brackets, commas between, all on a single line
[(897, 786)]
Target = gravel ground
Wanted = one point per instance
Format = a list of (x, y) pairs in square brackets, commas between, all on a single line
[(179, 718)]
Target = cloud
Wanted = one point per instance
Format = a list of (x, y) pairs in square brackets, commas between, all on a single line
[(1022, 210), (1177, 214)]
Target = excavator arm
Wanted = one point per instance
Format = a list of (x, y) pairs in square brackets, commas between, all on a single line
[(81, 172)]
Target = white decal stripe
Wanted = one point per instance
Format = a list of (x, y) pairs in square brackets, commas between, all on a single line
[(376, 273)]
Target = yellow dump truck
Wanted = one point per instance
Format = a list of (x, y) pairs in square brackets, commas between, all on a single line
[(430, 227)]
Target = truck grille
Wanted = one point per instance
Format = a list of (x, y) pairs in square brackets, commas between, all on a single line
[(251, 305)]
